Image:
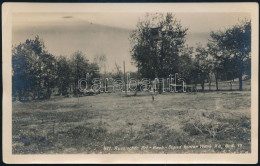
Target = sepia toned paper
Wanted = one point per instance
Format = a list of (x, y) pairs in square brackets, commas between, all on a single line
[(182, 124)]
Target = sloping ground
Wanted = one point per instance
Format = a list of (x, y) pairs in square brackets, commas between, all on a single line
[(113, 123)]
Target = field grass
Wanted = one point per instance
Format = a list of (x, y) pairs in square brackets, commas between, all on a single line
[(210, 122)]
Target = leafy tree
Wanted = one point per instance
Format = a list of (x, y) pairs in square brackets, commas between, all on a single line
[(237, 42), (48, 74), (94, 69), (33, 69), (64, 80), (186, 64), (80, 67), (202, 64), (216, 63), (20, 72), (156, 45)]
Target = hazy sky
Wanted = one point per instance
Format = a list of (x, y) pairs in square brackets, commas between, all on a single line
[(107, 33)]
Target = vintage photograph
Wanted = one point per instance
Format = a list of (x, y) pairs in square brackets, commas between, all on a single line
[(159, 82)]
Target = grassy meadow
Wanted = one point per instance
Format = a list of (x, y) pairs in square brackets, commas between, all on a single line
[(202, 122)]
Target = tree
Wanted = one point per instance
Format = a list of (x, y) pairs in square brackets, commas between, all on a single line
[(100, 60), (237, 41), (48, 74), (186, 64), (216, 63), (118, 73), (33, 69), (202, 64), (156, 45), (64, 72), (20, 72), (80, 67)]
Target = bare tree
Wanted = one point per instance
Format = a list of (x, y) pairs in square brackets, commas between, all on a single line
[(100, 60)]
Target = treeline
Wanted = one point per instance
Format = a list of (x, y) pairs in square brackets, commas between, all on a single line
[(36, 73), (158, 49)]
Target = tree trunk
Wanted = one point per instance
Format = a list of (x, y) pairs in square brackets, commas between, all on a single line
[(34, 95), (202, 85), (161, 69), (216, 78), (209, 81), (160, 88), (38, 94), (240, 81), (48, 93), (240, 74)]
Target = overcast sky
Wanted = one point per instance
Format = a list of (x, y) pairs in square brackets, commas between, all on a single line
[(107, 33)]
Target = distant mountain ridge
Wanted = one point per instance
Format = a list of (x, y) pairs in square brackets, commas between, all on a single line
[(64, 38)]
